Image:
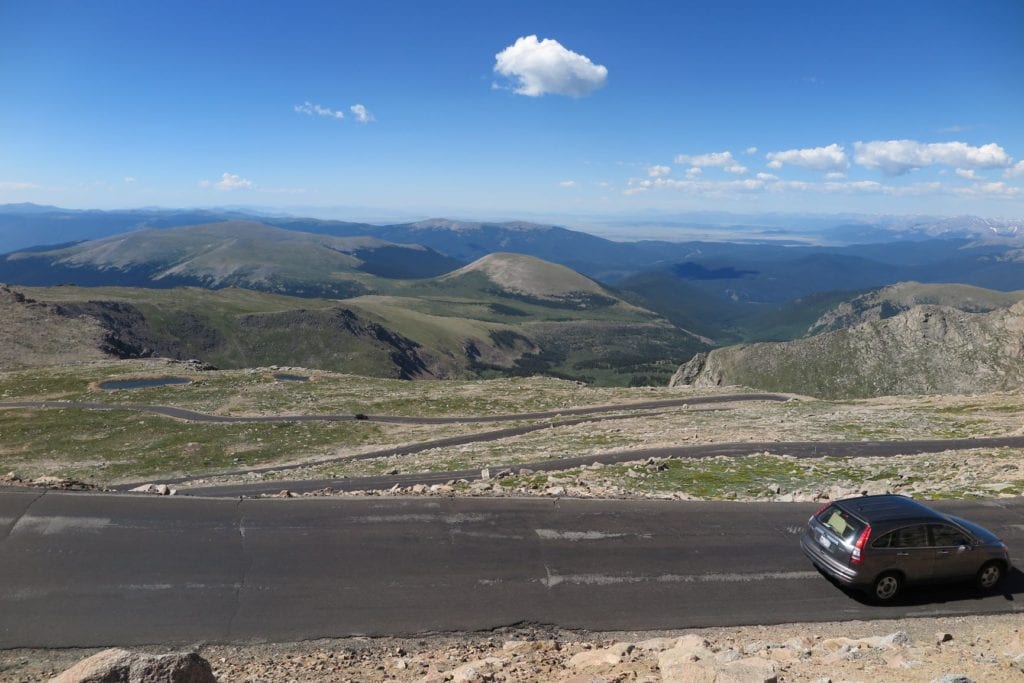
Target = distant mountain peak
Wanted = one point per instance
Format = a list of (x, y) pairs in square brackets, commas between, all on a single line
[(531, 276)]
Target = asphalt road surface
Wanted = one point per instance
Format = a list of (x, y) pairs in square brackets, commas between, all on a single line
[(95, 569), (194, 416)]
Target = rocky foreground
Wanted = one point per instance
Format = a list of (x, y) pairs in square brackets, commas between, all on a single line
[(954, 649)]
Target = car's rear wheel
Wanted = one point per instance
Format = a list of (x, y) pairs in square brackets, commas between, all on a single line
[(989, 576), (887, 586)]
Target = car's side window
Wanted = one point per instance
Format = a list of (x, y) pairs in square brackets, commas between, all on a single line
[(883, 541), (944, 536), (910, 537)]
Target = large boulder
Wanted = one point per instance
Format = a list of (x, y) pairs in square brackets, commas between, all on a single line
[(121, 666)]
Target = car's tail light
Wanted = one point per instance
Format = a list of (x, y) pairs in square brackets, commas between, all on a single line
[(858, 547), (820, 510)]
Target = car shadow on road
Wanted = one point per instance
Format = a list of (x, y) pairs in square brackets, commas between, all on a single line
[(1011, 589)]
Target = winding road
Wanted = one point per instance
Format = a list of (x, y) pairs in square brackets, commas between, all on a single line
[(195, 416), (98, 569), (798, 449)]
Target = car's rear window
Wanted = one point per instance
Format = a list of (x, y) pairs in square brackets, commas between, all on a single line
[(845, 525)]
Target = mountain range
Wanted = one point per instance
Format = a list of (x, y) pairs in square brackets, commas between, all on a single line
[(446, 298)]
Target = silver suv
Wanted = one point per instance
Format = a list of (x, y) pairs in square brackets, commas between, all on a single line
[(880, 543)]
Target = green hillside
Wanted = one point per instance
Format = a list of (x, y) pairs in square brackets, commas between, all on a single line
[(463, 326), (229, 254)]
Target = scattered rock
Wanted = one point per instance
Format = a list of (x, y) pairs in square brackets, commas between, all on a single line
[(597, 658), (117, 666), (749, 670), (156, 489)]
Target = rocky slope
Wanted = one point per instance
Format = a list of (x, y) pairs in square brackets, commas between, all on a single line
[(925, 350), (962, 649), (35, 334), (890, 301)]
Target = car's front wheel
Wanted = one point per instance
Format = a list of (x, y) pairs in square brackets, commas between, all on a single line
[(989, 576), (887, 586)]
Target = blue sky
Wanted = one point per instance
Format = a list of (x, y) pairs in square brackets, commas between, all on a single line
[(515, 109)]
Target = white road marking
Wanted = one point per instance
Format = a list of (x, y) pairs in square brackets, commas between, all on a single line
[(553, 579), (556, 535), (59, 524), (458, 518), (485, 534)]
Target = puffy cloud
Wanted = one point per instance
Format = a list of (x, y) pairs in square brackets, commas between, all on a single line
[(567, 183), (723, 160), (896, 157), (658, 171), (546, 67), (835, 175), (316, 110), (228, 182), (1015, 170), (361, 113), (711, 159), (750, 150), (766, 176), (967, 173), (693, 172), (830, 158), (997, 188)]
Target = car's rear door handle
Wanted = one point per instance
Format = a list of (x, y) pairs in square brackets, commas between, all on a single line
[(902, 554)]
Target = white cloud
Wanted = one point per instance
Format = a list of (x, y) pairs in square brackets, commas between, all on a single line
[(567, 183), (129, 179), (546, 67), (766, 183), (362, 113), (835, 175), (750, 150), (316, 110), (704, 187), (658, 171), (228, 182), (721, 159), (15, 185), (997, 188), (1015, 170), (896, 157), (967, 173), (830, 158)]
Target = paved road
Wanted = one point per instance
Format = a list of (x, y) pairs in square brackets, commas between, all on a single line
[(95, 570), (798, 449), (194, 416)]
